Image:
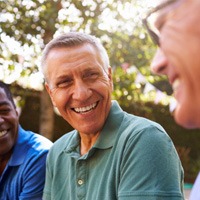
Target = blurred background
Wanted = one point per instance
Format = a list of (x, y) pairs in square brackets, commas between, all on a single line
[(27, 25)]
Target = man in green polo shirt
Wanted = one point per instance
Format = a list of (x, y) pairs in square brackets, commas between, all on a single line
[(110, 154)]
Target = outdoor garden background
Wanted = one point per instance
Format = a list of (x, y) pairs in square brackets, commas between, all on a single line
[(27, 25)]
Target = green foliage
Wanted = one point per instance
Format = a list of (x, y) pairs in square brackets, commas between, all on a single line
[(128, 91), (33, 23), (125, 90), (27, 19)]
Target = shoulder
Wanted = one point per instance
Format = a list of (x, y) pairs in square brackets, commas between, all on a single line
[(139, 123), (33, 141), (63, 143), (144, 132), (135, 124), (146, 139), (40, 142)]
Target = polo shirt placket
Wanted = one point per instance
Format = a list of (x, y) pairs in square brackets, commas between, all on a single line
[(81, 174)]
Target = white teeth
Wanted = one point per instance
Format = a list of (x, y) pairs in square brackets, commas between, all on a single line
[(85, 109), (2, 133), (176, 84)]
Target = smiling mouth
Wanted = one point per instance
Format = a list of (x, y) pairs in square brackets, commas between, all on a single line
[(86, 109), (2, 133)]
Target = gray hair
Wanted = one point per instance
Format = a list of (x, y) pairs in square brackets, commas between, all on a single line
[(73, 39)]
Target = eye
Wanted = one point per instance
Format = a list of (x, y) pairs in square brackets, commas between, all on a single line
[(160, 22), (91, 74), (64, 83), (4, 110)]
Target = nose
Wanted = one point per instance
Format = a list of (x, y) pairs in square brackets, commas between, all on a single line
[(81, 91), (159, 63)]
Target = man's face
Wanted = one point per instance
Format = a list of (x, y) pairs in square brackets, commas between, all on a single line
[(8, 124), (178, 57), (79, 87)]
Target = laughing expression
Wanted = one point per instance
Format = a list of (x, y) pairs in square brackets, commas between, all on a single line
[(178, 58), (80, 87), (8, 124)]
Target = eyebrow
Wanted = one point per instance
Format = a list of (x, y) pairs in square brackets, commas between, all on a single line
[(64, 76)]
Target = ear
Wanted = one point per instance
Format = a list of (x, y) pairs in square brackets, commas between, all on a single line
[(18, 111), (110, 77), (50, 93)]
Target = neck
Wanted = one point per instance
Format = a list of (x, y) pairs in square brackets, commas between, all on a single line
[(87, 141)]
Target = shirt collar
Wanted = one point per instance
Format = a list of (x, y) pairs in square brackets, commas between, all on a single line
[(107, 136), (19, 151), (109, 132)]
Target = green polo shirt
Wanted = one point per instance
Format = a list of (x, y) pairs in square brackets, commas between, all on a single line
[(133, 158)]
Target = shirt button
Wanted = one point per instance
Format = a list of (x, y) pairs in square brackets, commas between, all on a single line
[(80, 182)]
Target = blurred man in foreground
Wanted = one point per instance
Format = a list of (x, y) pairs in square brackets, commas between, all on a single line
[(176, 31)]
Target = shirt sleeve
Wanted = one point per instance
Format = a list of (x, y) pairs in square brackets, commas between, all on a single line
[(48, 182), (34, 177), (151, 168)]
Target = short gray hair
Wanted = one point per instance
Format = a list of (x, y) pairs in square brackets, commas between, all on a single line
[(73, 39)]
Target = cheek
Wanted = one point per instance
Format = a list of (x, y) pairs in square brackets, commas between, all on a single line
[(60, 100), (107, 87)]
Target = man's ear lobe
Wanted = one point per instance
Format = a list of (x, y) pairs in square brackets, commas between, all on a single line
[(50, 93), (110, 76), (110, 73)]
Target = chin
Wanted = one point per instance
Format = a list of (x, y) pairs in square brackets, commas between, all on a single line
[(186, 121)]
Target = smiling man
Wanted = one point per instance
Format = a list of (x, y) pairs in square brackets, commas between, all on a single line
[(176, 31), (22, 154), (111, 154)]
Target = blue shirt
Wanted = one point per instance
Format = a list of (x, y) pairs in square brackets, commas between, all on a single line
[(133, 159), (24, 175)]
